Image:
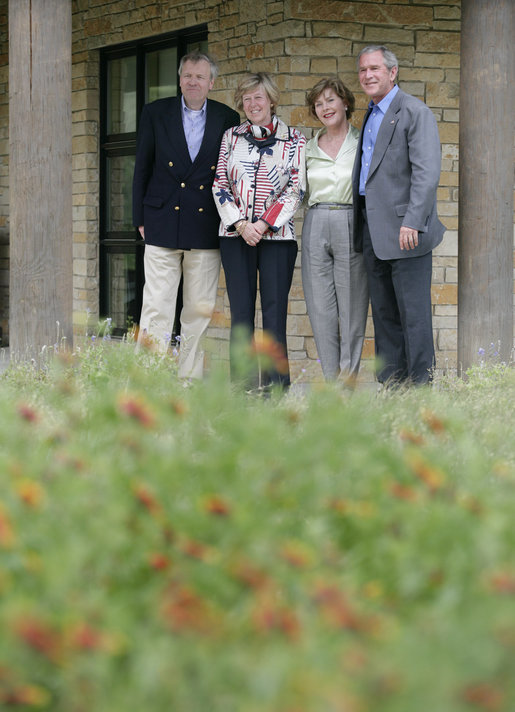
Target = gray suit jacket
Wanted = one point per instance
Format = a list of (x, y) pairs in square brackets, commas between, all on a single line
[(402, 181)]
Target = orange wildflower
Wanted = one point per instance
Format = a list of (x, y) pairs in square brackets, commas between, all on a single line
[(179, 407), (6, 529), (403, 491), (296, 554), (30, 492), (411, 437), (433, 422), (25, 696), (263, 344), (430, 475)]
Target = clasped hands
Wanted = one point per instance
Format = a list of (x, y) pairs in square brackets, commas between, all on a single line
[(252, 233)]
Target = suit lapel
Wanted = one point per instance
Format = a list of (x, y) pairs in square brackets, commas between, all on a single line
[(385, 133)]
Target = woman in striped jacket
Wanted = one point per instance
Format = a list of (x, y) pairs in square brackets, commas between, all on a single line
[(259, 185)]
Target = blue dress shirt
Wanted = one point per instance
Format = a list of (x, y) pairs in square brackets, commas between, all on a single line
[(194, 123), (370, 132)]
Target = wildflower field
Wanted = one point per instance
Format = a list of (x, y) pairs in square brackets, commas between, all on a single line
[(174, 549)]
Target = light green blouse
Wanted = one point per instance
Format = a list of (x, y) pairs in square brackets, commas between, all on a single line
[(330, 180)]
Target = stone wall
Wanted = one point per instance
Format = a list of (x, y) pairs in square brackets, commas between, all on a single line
[(299, 41)]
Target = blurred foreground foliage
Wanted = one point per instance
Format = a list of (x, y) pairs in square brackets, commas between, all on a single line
[(178, 549)]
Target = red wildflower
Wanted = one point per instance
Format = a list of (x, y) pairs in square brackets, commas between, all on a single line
[(136, 408), (250, 575), (336, 609), (159, 561), (484, 696), (147, 499), (269, 616), (194, 548), (217, 505), (85, 637), (41, 637), (28, 413), (503, 582), (185, 610)]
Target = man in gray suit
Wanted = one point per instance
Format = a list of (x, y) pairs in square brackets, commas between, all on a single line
[(396, 226)]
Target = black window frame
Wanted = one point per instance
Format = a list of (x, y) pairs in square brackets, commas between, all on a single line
[(121, 144)]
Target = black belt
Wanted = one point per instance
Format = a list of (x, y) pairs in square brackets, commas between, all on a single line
[(362, 203)]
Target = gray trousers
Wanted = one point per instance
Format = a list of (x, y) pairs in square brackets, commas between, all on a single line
[(335, 288)]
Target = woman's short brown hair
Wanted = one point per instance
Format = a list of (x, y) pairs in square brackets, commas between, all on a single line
[(339, 88), (251, 82)]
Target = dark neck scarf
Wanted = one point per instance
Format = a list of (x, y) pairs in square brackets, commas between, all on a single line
[(262, 136)]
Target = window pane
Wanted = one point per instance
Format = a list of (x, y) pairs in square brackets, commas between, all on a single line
[(200, 45), (119, 193), (161, 74), (121, 281), (121, 95)]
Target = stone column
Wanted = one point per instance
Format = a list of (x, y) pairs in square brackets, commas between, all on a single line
[(40, 175), (485, 243)]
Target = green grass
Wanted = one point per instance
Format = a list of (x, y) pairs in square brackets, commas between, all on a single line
[(194, 550)]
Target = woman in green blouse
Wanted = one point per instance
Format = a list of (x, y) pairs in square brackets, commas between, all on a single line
[(333, 275)]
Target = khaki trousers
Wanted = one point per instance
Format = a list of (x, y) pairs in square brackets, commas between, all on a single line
[(200, 270)]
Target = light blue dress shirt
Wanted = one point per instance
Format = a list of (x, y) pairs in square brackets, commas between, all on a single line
[(370, 135), (194, 123)]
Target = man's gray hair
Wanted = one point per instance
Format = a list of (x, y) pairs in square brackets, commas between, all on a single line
[(390, 60), (197, 56)]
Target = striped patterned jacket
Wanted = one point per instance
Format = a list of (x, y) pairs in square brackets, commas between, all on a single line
[(265, 182)]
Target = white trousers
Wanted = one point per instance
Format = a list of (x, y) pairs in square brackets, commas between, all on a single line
[(200, 270)]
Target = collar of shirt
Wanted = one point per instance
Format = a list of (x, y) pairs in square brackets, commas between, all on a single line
[(192, 112), (385, 102)]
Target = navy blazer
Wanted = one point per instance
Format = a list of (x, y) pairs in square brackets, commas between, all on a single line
[(171, 195), (402, 180)]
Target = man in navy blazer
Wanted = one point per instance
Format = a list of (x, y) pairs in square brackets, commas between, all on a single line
[(177, 152), (395, 179)]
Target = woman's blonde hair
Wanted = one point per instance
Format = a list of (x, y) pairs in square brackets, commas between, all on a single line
[(251, 82), (339, 88)]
